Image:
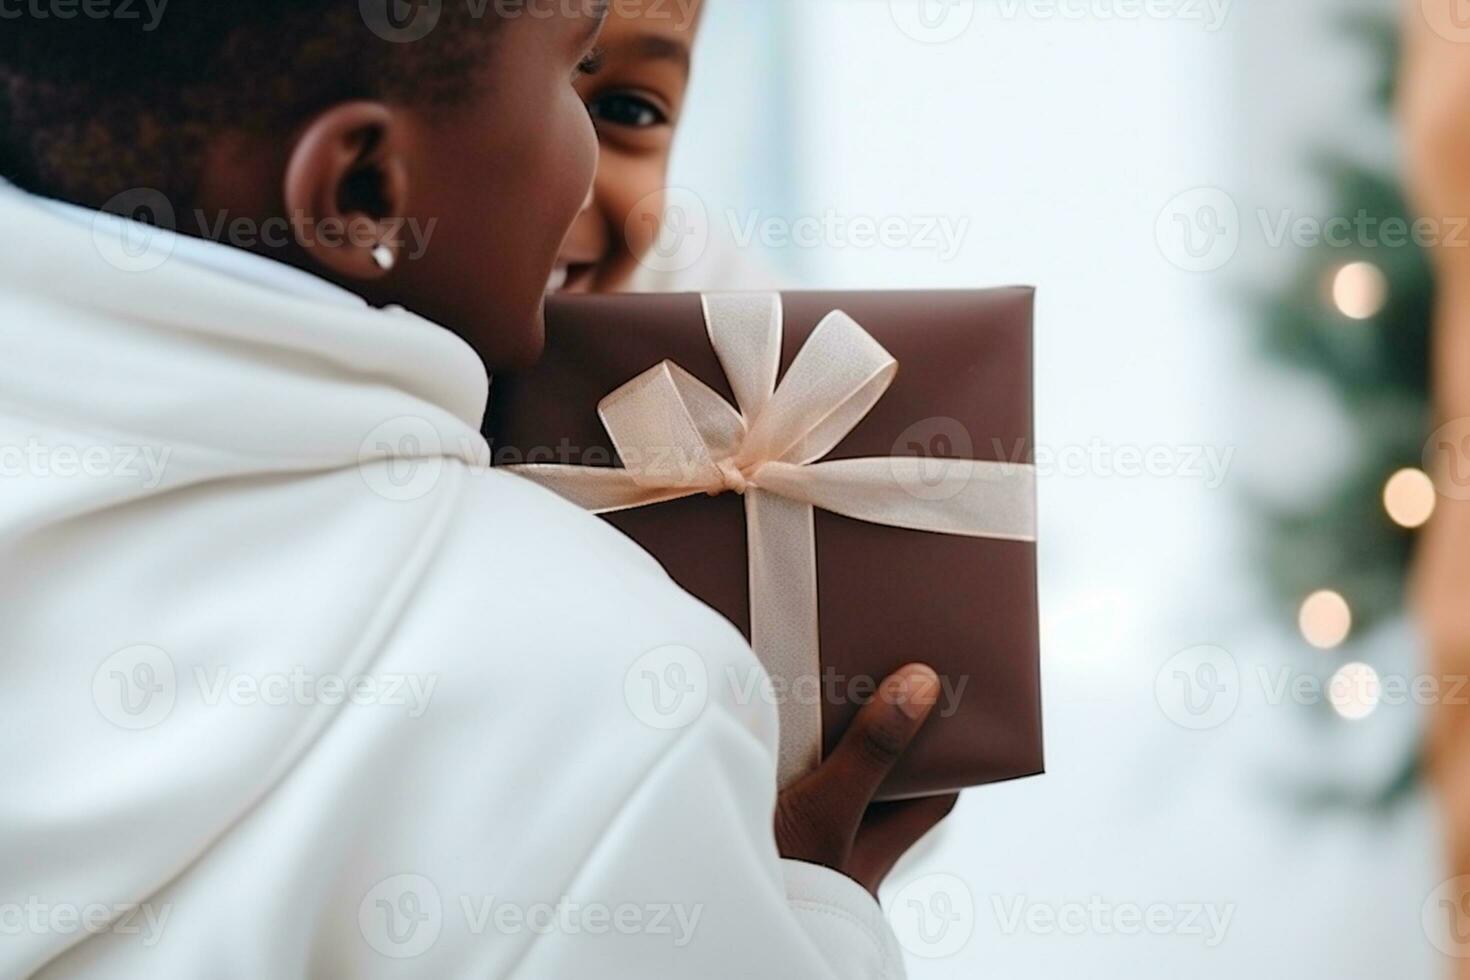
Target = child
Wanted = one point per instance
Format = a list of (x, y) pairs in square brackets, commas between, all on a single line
[(636, 99), (295, 687)]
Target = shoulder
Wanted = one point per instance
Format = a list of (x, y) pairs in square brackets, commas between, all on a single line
[(545, 594)]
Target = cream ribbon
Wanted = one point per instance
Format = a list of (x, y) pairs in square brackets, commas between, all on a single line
[(677, 437)]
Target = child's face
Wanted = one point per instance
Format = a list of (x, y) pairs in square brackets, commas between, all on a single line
[(635, 101), (475, 197), (505, 178)]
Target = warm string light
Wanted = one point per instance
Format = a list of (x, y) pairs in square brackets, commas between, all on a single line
[(1354, 691), (1409, 498), (1359, 290), (1325, 620)]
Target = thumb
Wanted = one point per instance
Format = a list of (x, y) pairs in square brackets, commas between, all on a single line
[(877, 739)]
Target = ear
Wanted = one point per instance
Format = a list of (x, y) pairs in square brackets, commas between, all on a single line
[(346, 189)]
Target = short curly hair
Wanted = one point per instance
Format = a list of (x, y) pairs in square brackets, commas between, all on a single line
[(127, 93)]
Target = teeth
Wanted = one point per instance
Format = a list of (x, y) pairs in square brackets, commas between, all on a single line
[(558, 280)]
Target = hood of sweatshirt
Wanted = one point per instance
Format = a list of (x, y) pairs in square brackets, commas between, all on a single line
[(204, 477)]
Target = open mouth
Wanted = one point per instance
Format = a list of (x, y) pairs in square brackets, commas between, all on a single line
[(570, 277)]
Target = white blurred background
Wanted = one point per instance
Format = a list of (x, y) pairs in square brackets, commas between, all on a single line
[(1055, 148)]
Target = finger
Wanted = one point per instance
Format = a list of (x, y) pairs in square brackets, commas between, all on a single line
[(876, 740), (890, 830), (899, 826)]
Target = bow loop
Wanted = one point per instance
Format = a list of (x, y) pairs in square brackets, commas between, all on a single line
[(834, 381), (671, 430), (745, 330)]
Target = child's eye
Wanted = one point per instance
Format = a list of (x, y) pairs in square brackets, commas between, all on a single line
[(592, 63), (626, 109)]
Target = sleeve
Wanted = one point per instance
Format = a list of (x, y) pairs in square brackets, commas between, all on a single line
[(688, 877)]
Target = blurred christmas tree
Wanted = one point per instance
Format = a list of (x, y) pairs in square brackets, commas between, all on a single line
[(1358, 319)]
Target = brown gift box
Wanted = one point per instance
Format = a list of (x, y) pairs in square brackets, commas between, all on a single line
[(887, 596)]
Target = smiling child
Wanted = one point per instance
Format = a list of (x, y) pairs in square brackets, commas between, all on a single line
[(635, 92)]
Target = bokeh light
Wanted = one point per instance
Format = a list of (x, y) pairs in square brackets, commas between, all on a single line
[(1409, 498), (1359, 290), (1354, 691), (1325, 619)]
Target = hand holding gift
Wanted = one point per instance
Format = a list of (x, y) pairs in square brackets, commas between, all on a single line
[(828, 817)]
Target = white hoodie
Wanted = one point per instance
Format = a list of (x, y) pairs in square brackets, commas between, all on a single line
[(279, 702)]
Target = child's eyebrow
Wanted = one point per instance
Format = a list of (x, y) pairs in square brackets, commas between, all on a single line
[(656, 47)]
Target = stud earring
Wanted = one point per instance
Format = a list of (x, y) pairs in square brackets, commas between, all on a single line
[(384, 257)]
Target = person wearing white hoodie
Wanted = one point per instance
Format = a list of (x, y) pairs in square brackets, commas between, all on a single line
[(295, 686)]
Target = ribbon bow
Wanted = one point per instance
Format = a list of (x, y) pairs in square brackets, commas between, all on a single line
[(677, 437)]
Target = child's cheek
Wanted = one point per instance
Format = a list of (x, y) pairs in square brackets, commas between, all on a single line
[(637, 195), (647, 218)]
